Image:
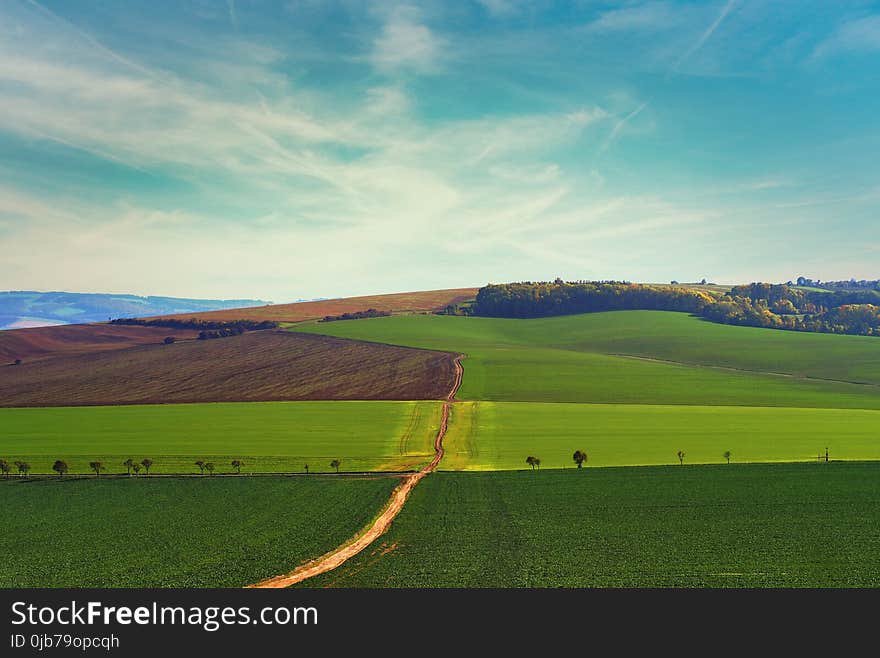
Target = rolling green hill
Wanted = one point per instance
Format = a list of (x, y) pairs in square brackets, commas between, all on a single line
[(640, 385), (639, 357)]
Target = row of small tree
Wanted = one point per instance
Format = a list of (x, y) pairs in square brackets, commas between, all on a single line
[(131, 466), (580, 458), (209, 467), (237, 464), (6, 468)]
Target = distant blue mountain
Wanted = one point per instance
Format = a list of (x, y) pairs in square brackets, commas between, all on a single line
[(24, 308)]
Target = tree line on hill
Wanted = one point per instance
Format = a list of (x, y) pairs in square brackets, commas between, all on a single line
[(543, 299), (777, 306), (851, 284), (207, 328), (356, 315)]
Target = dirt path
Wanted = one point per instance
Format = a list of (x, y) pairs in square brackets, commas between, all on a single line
[(336, 557)]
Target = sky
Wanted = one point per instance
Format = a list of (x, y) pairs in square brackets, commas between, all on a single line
[(306, 148)]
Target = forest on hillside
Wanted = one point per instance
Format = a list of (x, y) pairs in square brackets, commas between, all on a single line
[(776, 306)]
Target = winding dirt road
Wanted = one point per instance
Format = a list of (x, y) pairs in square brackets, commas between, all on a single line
[(336, 557)]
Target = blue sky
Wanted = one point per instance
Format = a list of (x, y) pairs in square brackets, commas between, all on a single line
[(247, 148)]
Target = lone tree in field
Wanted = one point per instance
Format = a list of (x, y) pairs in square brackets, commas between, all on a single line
[(534, 462), (97, 467), (579, 457), (136, 468), (4, 468), (336, 463), (23, 468), (201, 464), (209, 466), (727, 455), (128, 463), (237, 464), (146, 462), (307, 469), (680, 454), (60, 466)]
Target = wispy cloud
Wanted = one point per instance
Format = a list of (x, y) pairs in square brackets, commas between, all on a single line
[(374, 177), (407, 44), (619, 125), (647, 17), (853, 36), (499, 7), (705, 36), (97, 45), (327, 162), (233, 17)]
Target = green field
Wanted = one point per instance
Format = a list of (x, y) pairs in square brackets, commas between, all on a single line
[(500, 435), (765, 395), (639, 357), (760, 525), (630, 388), (268, 436), (176, 532)]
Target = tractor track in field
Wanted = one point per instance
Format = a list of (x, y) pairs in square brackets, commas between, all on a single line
[(788, 375), (338, 556)]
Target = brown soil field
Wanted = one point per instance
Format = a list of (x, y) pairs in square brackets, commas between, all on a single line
[(406, 302), (40, 342), (256, 366)]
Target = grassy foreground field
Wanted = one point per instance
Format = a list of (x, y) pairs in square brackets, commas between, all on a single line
[(761, 525), (268, 436), (181, 532), (624, 357), (500, 435)]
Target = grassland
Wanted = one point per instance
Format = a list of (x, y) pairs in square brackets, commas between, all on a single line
[(256, 366), (176, 532), (639, 357), (406, 302), (499, 435), (761, 525), (268, 436)]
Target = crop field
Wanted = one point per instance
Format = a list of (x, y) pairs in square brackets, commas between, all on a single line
[(500, 435), (42, 342), (630, 388), (406, 302), (759, 525), (256, 366), (267, 436), (624, 357), (180, 532)]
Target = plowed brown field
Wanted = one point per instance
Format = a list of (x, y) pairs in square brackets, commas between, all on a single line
[(406, 302), (256, 366), (38, 343)]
